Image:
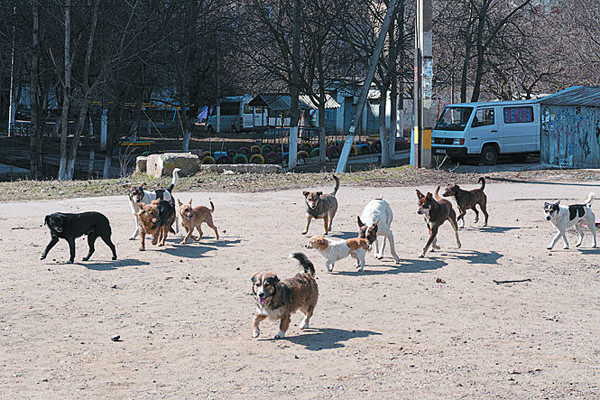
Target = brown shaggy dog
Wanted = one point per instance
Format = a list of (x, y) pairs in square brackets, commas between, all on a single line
[(277, 299), (194, 217), (155, 219)]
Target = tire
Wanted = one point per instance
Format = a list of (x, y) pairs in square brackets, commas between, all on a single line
[(302, 155), (266, 149), (333, 151), (315, 152), (240, 159), (245, 151), (305, 147), (273, 158), (364, 149), (224, 160), (208, 160), (489, 155), (231, 153), (353, 150), (206, 154), (257, 159), (255, 149)]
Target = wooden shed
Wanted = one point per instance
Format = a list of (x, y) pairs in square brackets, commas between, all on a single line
[(570, 128)]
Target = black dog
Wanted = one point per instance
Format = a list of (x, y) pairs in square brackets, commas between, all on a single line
[(72, 226)]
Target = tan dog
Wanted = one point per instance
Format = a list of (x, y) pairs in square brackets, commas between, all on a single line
[(277, 299), (334, 250), (321, 206), (194, 217), (155, 219), (436, 212)]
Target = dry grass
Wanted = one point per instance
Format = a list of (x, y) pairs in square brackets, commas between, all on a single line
[(210, 182)]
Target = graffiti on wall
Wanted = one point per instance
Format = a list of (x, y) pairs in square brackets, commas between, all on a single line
[(571, 136)]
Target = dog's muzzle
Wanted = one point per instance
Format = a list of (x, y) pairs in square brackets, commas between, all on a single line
[(262, 296), (548, 217)]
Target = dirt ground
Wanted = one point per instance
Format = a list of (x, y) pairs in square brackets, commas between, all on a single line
[(432, 328)]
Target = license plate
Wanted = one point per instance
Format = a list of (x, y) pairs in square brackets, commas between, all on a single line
[(440, 151)]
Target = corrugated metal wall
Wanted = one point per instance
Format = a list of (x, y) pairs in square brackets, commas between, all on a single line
[(570, 136)]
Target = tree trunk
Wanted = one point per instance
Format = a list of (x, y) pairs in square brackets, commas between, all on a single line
[(64, 118), (184, 123), (33, 96), (383, 131)]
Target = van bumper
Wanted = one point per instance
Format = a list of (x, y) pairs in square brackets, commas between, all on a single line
[(454, 152)]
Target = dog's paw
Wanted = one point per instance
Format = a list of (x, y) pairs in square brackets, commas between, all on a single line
[(85, 258), (304, 325), (141, 249), (566, 247), (280, 335), (114, 258), (42, 257), (70, 262), (132, 238), (549, 247), (397, 261), (379, 257), (421, 254), (256, 333), (436, 247), (305, 232)]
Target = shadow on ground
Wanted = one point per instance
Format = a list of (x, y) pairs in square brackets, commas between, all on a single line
[(327, 338)]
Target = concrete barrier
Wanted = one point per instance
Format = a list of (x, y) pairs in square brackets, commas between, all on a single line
[(159, 165), (242, 168)]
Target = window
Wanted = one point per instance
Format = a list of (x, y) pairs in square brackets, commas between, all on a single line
[(518, 115), (454, 118), (483, 117)]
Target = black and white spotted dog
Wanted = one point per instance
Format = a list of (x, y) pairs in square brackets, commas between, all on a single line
[(574, 215), (137, 194)]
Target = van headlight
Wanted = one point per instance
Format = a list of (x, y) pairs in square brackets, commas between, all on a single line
[(458, 142)]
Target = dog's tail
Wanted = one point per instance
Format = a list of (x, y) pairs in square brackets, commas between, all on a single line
[(437, 193), (308, 266), (590, 199), (337, 185), (175, 179), (482, 181), (212, 206)]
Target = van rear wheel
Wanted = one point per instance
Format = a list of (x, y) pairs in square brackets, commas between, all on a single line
[(489, 155)]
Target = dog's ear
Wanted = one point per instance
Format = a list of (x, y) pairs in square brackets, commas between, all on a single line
[(143, 185), (419, 194), (46, 220), (179, 203), (376, 222), (319, 194), (557, 203), (253, 279), (141, 205), (429, 196), (273, 279), (305, 193), (190, 203), (360, 223)]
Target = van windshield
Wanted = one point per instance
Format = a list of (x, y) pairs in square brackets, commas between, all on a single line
[(454, 118)]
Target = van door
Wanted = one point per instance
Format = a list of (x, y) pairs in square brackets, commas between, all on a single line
[(483, 129), (520, 129)]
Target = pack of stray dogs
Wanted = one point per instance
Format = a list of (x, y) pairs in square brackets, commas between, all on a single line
[(156, 214)]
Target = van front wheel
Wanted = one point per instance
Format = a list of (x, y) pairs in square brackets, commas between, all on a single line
[(489, 155)]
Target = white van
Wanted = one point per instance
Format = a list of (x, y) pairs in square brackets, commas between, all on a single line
[(488, 130), (237, 116)]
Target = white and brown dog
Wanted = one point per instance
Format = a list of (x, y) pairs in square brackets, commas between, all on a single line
[(334, 250), (574, 215), (138, 194), (277, 299), (376, 220)]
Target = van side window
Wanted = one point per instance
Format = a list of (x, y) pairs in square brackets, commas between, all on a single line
[(483, 116), (518, 115)]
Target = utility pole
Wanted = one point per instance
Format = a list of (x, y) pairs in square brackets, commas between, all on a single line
[(423, 80), (295, 112), (12, 107), (341, 167)]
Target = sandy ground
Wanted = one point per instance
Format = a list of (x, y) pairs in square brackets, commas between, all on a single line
[(183, 312)]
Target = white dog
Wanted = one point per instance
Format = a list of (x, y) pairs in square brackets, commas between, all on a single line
[(564, 217), (376, 220), (137, 195), (334, 250)]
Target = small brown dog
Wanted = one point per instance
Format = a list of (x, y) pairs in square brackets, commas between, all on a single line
[(155, 219), (321, 206), (468, 199), (436, 212), (277, 299), (194, 217)]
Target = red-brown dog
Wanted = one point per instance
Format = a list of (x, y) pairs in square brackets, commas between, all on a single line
[(436, 212)]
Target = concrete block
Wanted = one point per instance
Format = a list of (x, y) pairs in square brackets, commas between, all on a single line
[(163, 164), (140, 164)]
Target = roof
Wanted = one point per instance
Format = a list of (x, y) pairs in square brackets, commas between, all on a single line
[(282, 102), (575, 96)]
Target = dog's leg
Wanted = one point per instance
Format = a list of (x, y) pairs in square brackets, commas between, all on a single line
[(326, 223), (433, 230), (565, 241), (554, 240), (255, 324), (357, 262), (137, 228), (331, 219), (483, 206), (579, 230), (211, 225), (142, 240), (52, 243), (71, 242), (455, 227), (106, 239), (187, 234), (308, 312), (308, 219), (476, 213), (163, 232), (283, 326), (329, 265), (361, 259), (91, 241), (592, 227), (461, 216), (434, 245), (382, 248), (200, 233), (390, 238)]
